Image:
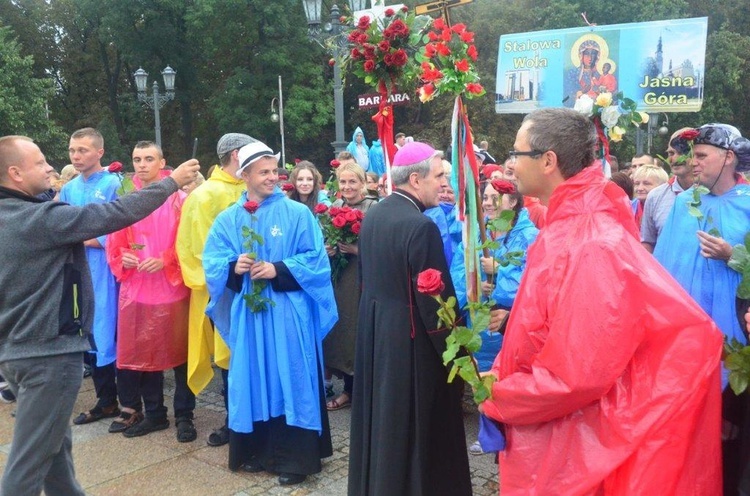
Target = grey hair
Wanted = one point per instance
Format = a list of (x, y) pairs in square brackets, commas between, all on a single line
[(568, 133), (400, 175)]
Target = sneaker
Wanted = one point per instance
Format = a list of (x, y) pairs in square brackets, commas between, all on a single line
[(219, 437), (476, 449), (146, 426), (7, 396)]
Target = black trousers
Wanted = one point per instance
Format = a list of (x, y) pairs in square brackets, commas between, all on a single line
[(104, 382), (135, 385)]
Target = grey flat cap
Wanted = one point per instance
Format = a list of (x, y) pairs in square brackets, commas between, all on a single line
[(232, 141)]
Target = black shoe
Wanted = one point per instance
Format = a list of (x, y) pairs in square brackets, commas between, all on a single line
[(252, 466), (186, 432), (7, 396), (146, 426), (287, 479), (219, 437)]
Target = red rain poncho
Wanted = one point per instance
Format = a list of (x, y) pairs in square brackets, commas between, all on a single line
[(609, 372), (152, 321)]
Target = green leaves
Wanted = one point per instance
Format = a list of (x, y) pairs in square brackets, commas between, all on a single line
[(126, 186), (737, 361), (740, 262), (255, 300), (462, 342)]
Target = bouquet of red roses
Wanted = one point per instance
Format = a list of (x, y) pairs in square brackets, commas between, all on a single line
[(340, 225)]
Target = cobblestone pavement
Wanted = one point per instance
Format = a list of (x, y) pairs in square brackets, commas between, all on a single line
[(110, 464)]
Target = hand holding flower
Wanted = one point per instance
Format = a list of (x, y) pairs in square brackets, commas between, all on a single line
[(151, 265), (243, 265), (348, 249), (262, 270), (130, 260)]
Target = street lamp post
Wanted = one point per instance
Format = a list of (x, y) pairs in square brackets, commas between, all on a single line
[(334, 28), (155, 101), (279, 117)]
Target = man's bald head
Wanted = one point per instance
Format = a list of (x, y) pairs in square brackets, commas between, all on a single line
[(10, 154)]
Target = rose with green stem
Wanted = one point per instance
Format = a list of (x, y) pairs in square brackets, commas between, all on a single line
[(255, 300), (462, 342)]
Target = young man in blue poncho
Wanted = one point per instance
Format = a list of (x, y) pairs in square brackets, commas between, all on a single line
[(95, 184), (277, 416)]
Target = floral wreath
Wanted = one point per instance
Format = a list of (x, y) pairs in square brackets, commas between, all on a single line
[(382, 53), (448, 63)]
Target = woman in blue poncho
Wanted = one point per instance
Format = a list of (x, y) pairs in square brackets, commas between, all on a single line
[(501, 273)]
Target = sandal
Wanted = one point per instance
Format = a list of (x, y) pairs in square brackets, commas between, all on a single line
[(125, 420), (96, 413), (185, 430), (338, 404)]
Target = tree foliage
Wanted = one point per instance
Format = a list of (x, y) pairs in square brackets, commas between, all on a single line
[(23, 97)]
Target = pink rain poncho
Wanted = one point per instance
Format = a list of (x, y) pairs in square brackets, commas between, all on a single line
[(152, 322), (608, 378)]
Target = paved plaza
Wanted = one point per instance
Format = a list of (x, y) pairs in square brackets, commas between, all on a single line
[(156, 464)]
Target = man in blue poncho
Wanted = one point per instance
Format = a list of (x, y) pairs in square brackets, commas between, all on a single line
[(95, 185), (269, 280), (695, 250), (699, 261)]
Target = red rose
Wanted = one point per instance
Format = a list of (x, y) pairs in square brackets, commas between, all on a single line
[(297, 160), (334, 211), (251, 206), (430, 282), (433, 36), (351, 216), (287, 187), (356, 227), (364, 23), (369, 65), (389, 12), (388, 59), (283, 177), (399, 28), (360, 215), (446, 35), (438, 23), (472, 52), (345, 210), (474, 88), (384, 46), (115, 167), (429, 50), (335, 163), (320, 208), (688, 135), (458, 28), (502, 186), (353, 36), (467, 37), (332, 62), (442, 49), (342, 19), (356, 54), (369, 51), (362, 38), (339, 221), (404, 9), (399, 57), (462, 65)]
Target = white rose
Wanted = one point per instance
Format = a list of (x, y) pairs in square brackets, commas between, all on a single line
[(610, 115), (584, 104)]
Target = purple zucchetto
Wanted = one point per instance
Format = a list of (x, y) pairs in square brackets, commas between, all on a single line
[(412, 153)]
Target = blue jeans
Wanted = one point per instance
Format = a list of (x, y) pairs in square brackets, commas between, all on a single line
[(40, 456)]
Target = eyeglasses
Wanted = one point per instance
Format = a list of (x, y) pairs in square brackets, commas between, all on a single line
[(513, 154)]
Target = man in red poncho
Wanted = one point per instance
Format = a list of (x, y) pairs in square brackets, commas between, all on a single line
[(608, 379)]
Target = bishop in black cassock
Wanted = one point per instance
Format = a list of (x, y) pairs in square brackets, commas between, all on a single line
[(407, 431)]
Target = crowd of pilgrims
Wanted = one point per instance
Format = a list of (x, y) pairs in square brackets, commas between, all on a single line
[(158, 261)]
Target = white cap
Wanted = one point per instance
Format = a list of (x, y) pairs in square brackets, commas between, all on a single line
[(251, 153)]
